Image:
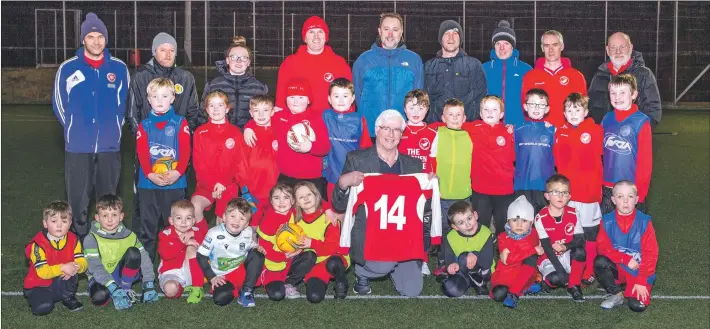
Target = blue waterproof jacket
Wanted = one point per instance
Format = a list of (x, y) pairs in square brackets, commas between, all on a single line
[(505, 80), (382, 77), (91, 103)]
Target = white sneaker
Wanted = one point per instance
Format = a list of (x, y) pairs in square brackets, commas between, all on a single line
[(133, 296), (613, 301), (292, 292), (425, 269)]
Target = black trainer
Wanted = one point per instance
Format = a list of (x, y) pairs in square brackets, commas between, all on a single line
[(341, 289), (481, 290), (72, 304), (576, 293)]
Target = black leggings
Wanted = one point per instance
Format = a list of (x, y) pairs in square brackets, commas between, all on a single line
[(99, 293), (489, 206), (42, 299), (316, 288), (300, 266)]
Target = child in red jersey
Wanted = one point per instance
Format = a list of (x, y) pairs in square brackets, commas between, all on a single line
[(322, 240), (300, 158), (56, 259), (519, 250), (218, 158), (628, 251), (562, 238), (261, 159), (492, 166), (347, 129), (578, 156), (177, 248), (627, 142), (417, 136)]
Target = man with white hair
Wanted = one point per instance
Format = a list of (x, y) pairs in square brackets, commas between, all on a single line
[(624, 59), (385, 159)]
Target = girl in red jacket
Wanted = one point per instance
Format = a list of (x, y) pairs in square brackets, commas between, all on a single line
[(322, 240), (492, 167), (218, 157), (519, 248)]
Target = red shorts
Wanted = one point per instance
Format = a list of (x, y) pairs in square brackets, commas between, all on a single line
[(510, 276), (221, 203), (235, 277), (267, 276), (320, 272), (626, 277)]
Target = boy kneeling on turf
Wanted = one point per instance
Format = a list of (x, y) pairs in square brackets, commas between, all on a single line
[(519, 248), (468, 253), (56, 259), (230, 258), (562, 238), (116, 258), (628, 251), (177, 248)]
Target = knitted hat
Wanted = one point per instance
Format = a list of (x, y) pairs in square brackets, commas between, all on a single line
[(504, 32), (449, 25), (521, 208), (299, 87), (314, 22), (162, 38), (93, 24)]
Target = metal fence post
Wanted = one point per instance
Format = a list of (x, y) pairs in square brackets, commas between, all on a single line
[(404, 28), (234, 24), (292, 33), (175, 25), (606, 24), (534, 31), (348, 38), (64, 30), (115, 30), (206, 12), (135, 30), (658, 26), (37, 62), (463, 25), (56, 46), (283, 30), (323, 9), (253, 35), (675, 53)]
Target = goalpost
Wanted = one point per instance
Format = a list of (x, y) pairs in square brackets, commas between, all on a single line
[(50, 46)]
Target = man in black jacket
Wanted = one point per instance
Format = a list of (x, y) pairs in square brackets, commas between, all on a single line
[(162, 65), (623, 59), (453, 74)]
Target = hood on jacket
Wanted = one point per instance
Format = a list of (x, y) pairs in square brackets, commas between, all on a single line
[(636, 61), (540, 63)]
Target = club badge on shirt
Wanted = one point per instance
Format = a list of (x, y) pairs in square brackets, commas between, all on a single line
[(328, 77), (585, 138), (564, 80), (178, 88), (500, 141)]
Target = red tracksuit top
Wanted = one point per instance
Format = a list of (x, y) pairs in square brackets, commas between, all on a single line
[(320, 70), (269, 225), (300, 165), (218, 155), (649, 247), (578, 155), (172, 251), (262, 170), (143, 150), (558, 85), (492, 166), (416, 141), (644, 163)]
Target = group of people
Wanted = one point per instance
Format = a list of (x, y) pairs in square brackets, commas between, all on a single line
[(460, 149)]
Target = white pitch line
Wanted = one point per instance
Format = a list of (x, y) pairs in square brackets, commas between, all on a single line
[(373, 297), (28, 120)]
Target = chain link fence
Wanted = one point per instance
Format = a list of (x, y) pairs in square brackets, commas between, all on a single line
[(673, 36)]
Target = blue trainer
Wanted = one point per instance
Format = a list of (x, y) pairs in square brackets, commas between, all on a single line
[(511, 301), (246, 299), (533, 289)]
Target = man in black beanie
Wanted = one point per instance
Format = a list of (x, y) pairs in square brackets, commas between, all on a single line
[(162, 65), (90, 102), (453, 74)]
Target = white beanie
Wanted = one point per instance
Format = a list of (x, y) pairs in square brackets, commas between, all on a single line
[(521, 208)]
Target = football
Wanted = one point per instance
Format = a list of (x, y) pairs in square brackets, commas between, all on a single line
[(287, 237), (297, 132), (164, 165)]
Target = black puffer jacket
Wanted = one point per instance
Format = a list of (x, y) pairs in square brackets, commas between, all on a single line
[(239, 88), (185, 104), (461, 77), (649, 99)]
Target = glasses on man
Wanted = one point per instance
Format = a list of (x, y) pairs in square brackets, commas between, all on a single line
[(388, 130), (537, 106), (622, 49), (236, 58), (558, 193)]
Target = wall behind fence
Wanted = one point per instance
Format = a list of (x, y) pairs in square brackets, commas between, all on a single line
[(273, 29)]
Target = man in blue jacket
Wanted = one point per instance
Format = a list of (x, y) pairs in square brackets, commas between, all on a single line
[(505, 71), (384, 74), (90, 102), (453, 74)]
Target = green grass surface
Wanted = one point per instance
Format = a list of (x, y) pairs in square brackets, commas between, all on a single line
[(32, 175)]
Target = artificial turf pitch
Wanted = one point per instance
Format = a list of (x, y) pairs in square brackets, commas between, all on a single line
[(679, 201)]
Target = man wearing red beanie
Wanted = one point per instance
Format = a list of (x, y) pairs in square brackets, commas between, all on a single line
[(315, 62)]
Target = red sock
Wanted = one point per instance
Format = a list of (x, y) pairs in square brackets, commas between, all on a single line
[(526, 276), (591, 248), (198, 278), (575, 275)]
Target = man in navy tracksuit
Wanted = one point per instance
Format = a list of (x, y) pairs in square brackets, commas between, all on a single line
[(90, 101)]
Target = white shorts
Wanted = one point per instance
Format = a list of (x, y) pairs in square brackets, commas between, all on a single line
[(181, 275), (546, 266), (589, 214)]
